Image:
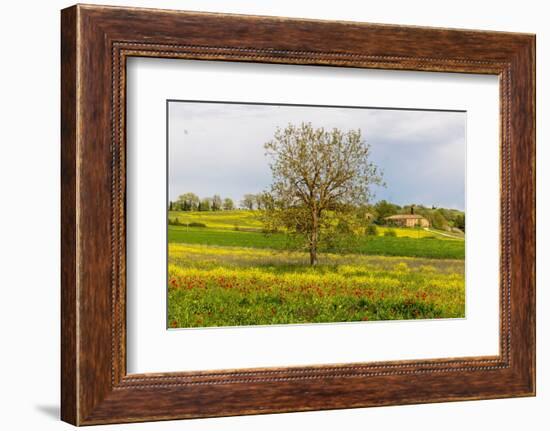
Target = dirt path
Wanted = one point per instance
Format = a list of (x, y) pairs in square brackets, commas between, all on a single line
[(443, 234)]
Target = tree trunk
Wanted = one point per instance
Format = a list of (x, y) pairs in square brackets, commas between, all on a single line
[(314, 240), (313, 256)]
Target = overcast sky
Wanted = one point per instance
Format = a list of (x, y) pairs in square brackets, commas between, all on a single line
[(217, 148)]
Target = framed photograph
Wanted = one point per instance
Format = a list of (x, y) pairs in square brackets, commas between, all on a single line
[(264, 214), (306, 216)]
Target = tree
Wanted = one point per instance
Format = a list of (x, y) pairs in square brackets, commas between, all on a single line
[(248, 201), (437, 220), (317, 176), (228, 204), (205, 204), (216, 203), (460, 222), (188, 202), (260, 200), (385, 209)]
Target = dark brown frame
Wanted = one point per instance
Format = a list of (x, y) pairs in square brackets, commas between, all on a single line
[(95, 43)]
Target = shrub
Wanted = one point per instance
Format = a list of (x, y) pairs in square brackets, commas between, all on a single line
[(371, 230), (196, 224), (174, 221), (390, 232), (266, 231), (343, 227)]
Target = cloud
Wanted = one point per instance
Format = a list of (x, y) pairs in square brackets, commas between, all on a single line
[(217, 148)]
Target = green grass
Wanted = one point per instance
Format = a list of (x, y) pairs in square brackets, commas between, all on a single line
[(224, 237), (404, 246), (220, 286), (373, 245)]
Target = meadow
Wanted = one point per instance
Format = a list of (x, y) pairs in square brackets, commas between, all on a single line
[(229, 273), (250, 221)]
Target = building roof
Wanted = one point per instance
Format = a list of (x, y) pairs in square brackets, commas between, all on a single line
[(405, 217)]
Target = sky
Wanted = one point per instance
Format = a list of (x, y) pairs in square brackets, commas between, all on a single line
[(217, 148)]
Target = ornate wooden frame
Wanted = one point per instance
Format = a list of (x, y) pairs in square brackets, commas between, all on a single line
[(95, 42)]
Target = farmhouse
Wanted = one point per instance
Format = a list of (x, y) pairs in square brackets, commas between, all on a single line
[(408, 220)]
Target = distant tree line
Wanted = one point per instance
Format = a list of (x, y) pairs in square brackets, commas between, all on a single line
[(259, 201), (192, 202)]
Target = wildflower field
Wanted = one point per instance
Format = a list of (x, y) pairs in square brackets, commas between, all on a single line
[(229, 273)]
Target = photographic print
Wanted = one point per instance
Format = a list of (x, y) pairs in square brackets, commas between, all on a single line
[(301, 214)]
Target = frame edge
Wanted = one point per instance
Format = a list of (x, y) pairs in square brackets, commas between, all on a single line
[(69, 331)]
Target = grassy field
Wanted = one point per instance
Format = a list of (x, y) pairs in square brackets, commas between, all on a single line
[(220, 276), (220, 219), (249, 221), (380, 245)]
